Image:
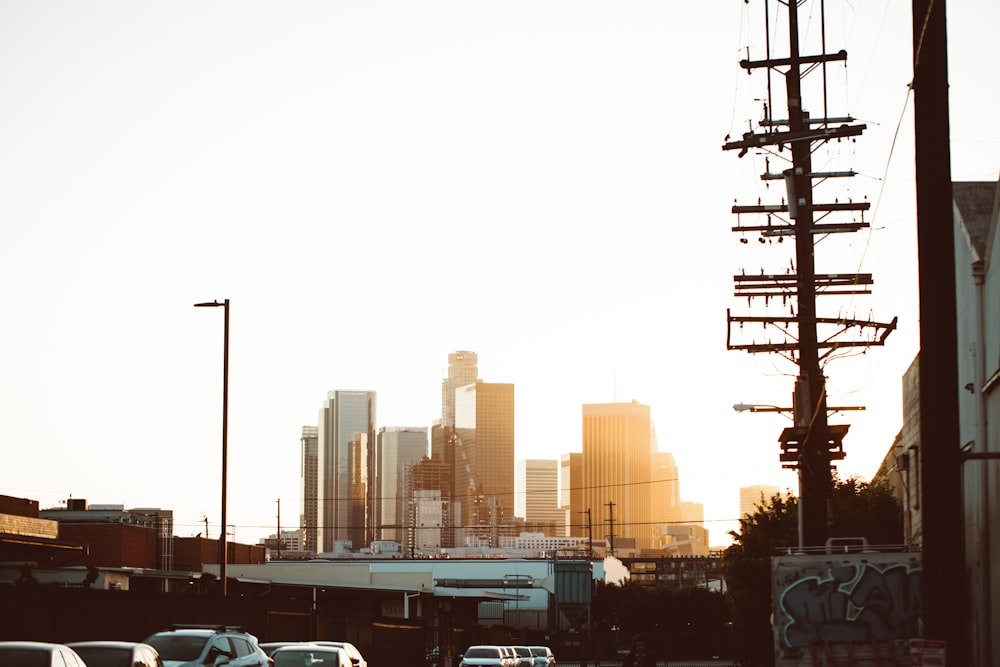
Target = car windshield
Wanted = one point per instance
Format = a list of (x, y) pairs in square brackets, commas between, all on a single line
[(305, 658), (482, 653), (184, 648), (105, 656), (23, 657)]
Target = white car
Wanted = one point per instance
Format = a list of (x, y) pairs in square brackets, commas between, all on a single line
[(196, 646), (357, 660), (310, 655), (484, 656), (39, 654)]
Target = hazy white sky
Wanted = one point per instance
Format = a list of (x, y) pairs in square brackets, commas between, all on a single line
[(376, 184)]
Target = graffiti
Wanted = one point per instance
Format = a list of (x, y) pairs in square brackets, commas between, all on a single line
[(851, 603)]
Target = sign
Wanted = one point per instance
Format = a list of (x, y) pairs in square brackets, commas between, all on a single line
[(929, 652)]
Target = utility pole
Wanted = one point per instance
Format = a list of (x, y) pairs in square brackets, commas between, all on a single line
[(945, 597), (812, 444), (590, 533), (611, 526), (279, 528)]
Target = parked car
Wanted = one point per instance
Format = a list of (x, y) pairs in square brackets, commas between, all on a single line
[(197, 646), (543, 656), (271, 647), (352, 651), (38, 654), (117, 654), (484, 656), (308, 654), (524, 657)]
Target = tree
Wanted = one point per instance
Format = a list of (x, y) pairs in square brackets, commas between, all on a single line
[(858, 509)]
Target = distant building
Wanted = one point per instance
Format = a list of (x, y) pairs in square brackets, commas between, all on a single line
[(693, 513), (753, 496), (463, 369), (484, 460), (397, 450), (346, 436), (309, 514), (571, 495), (665, 488), (616, 470), (536, 496)]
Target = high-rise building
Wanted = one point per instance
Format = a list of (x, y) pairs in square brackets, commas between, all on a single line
[(346, 436), (665, 489), (463, 369), (397, 450), (309, 509), (571, 496), (692, 512), (616, 471), (484, 459), (752, 496), (536, 496)]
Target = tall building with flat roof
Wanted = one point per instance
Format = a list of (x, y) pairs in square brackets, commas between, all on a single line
[(346, 436), (398, 449), (484, 458), (536, 496), (616, 470), (309, 509)]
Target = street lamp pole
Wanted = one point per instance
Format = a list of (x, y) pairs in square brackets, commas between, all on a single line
[(223, 557)]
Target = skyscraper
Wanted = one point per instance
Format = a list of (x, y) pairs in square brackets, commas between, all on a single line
[(397, 450), (463, 369), (484, 458), (616, 470), (536, 496), (346, 436), (309, 511)]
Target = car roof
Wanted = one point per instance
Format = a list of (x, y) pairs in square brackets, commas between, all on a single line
[(108, 644), (306, 646), (26, 644)]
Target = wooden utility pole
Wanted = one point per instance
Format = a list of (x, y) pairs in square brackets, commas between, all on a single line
[(590, 534), (944, 582), (611, 527), (812, 444)]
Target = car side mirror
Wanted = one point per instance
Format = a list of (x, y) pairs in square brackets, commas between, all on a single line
[(221, 659)]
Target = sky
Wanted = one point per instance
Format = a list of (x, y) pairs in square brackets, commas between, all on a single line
[(377, 184)]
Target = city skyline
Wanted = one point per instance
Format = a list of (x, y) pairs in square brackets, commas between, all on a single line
[(542, 184)]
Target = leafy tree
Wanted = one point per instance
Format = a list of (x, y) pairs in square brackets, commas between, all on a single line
[(859, 509)]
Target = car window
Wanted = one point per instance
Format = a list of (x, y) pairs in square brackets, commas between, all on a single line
[(220, 645), (182, 648), (28, 657), (241, 646), (483, 652)]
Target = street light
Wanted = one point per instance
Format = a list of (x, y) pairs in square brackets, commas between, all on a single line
[(225, 431), (755, 407)]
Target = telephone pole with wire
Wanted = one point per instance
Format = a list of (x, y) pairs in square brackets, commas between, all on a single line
[(790, 325)]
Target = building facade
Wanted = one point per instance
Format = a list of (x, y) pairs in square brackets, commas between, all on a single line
[(536, 496), (571, 495), (484, 460), (309, 499), (755, 495), (397, 450), (616, 471), (463, 369), (346, 437)]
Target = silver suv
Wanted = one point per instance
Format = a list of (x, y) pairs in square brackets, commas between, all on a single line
[(212, 646)]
